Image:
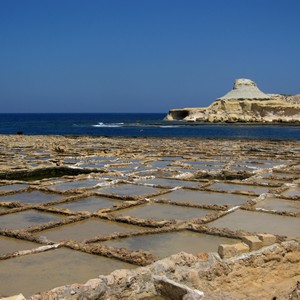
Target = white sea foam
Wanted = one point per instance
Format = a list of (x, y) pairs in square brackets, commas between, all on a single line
[(101, 124)]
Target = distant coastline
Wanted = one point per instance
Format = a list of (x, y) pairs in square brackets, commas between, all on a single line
[(138, 125)]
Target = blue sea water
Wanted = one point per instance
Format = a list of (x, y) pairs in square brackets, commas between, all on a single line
[(136, 124)]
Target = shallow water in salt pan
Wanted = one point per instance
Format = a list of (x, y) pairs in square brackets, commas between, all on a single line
[(238, 187), (279, 205), (13, 187), (85, 230), (51, 269), (259, 222), (25, 219), (90, 204), (129, 190), (164, 212), (30, 197), (292, 192), (166, 244), (76, 185), (170, 182), (203, 197), (10, 245)]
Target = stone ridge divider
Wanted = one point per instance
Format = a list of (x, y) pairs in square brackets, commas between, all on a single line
[(136, 257), (188, 204), (150, 231)]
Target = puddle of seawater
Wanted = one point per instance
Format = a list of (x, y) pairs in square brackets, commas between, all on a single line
[(164, 212), (53, 181), (200, 163), (292, 192), (271, 163), (33, 165), (166, 244), (13, 187), (171, 158), (90, 204), (279, 205), (76, 184), (250, 164), (222, 186), (272, 182), (130, 167), (170, 182), (92, 165), (259, 222), (129, 190), (159, 164), (86, 229), (183, 170), (10, 245), (31, 274), (30, 197), (204, 197), (206, 165), (241, 168), (26, 218)]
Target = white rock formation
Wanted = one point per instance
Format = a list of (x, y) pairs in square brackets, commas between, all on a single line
[(244, 103), (245, 89)]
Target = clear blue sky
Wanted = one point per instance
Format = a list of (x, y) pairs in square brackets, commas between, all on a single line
[(142, 55)]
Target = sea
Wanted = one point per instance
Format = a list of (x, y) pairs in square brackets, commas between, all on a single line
[(136, 125)]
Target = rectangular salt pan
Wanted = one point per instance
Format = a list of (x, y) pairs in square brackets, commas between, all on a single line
[(86, 229), (90, 204), (169, 182), (259, 222), (10, 245), (25, 219), (166, 244), (238, 187), (77, 184), (13, 187), (279, 205), (31, 274), (203, 197), (164, 212), (129, 190), (31, 197)]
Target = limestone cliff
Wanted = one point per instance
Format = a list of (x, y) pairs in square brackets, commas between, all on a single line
[(244, 103)]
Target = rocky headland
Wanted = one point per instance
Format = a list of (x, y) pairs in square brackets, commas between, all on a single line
[(244, 103)]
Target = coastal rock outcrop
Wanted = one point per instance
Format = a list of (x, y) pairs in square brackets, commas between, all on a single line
[(244, 103)]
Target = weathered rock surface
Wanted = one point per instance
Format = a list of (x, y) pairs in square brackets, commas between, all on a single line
[(245, 89), (244, 103)]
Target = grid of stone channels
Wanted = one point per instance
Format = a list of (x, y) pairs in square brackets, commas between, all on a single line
[(151, 169)]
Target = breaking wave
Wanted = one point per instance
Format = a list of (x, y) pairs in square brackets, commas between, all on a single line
[(101, 124)]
